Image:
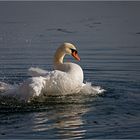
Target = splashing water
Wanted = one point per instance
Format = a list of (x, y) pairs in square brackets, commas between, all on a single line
[(34, 88)]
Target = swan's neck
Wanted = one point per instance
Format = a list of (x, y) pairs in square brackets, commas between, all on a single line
[(58, 57)]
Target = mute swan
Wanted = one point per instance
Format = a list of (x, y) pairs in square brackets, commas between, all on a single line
[(66, 78)]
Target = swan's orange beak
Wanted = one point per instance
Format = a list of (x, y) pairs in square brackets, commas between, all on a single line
[(75, 55)]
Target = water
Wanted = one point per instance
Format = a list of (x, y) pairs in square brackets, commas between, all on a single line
[(107, 35)]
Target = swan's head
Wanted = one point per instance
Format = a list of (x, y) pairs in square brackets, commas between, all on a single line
[(70, 49)]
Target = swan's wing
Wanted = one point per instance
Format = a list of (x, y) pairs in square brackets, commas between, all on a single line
[(34, 72)]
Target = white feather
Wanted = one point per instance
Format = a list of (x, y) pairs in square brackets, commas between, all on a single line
[(34, 72)]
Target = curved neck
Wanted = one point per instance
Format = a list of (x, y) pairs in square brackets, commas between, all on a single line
[(58, 57)]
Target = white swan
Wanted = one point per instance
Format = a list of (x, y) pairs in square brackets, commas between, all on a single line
[(66, 78)]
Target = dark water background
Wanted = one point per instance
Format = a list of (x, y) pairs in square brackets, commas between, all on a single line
[(107, 35)]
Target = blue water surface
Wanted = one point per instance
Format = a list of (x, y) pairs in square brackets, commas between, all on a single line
[(107, 35)]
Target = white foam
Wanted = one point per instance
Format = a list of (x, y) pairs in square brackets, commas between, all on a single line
[(87, 88), (36, 86)]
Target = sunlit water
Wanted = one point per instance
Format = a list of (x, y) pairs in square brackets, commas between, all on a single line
[(107, 36)]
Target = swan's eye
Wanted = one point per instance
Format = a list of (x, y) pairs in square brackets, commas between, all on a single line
[(73, 51)]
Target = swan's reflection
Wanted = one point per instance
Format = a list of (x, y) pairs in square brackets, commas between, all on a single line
[(64, 121)]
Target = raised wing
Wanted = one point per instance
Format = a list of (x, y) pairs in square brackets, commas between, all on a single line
[(35, 72)]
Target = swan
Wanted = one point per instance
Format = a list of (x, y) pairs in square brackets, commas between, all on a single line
[(66, 78)]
